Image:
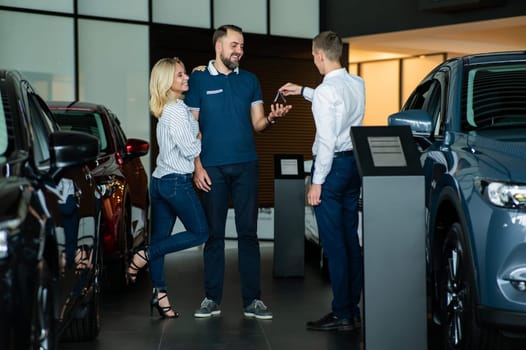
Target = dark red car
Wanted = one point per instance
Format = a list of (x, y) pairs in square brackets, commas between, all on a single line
[(121, 178)]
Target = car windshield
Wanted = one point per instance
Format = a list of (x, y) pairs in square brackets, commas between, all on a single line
[(495, 97), (3, 129), (84, 121)]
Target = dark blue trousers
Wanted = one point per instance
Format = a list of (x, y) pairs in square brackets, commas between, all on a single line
[(238, 182), (337, 219)]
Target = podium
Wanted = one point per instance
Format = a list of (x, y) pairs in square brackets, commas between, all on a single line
[(289, 216), (394, 294)]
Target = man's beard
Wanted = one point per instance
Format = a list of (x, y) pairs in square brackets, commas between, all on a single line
[(228, 63)]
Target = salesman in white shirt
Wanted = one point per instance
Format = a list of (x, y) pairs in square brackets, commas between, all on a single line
[(338, 103)]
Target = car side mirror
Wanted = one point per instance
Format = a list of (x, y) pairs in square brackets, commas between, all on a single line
[(418, 120), (70, 148), (136, 148)]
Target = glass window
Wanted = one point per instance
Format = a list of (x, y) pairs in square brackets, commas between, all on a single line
[(41, 131), (282, 11), (123, 56), (195, 13), (495, 97), (83, 121), (45, 57), (125, 9), (422, 96), (48, 5), (251, 15), (427, 97), (119, 134)]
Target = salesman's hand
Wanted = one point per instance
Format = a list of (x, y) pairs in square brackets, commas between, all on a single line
[(290, 89), (314, 195)]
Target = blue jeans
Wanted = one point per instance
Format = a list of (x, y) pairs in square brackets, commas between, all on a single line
[(173, 196), (238, 181), (337, 219)]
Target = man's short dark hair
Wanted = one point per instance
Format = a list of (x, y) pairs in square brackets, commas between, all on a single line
[(330, 43), (221, 32)]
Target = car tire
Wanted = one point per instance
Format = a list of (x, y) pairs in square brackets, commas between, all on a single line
[(43, 324), (459, 326)]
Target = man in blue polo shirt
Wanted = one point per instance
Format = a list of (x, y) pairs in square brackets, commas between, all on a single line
[(228, 103)]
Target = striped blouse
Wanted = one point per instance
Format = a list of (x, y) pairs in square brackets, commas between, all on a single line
[(177, 138)]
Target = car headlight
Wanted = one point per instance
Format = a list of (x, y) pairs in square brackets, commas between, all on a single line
[(502, 194)]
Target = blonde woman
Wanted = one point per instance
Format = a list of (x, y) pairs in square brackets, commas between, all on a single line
[(171, 190)]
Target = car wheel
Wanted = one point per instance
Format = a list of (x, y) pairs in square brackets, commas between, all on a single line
[(459, 327), (43, 336)]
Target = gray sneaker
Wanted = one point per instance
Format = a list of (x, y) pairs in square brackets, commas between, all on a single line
[(208, 309), (258, 310)]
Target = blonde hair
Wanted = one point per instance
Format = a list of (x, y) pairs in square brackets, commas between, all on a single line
[(161, 80)]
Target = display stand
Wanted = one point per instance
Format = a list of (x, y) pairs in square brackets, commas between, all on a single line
[(289, 216), (394, 295)]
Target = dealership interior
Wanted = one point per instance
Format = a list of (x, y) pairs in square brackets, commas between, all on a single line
[(76, 58)]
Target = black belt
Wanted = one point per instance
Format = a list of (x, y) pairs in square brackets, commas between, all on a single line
[(343, 154), (339, 154)]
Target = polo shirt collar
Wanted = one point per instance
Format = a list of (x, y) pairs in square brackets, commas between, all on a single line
[(213, 70)]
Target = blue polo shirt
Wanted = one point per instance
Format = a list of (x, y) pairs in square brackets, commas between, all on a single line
[(224, 102)]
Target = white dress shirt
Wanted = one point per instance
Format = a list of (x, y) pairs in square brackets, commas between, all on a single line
[(337, 104), (176, 132)]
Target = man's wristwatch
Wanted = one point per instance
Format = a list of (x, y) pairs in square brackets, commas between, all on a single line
[(271, 122)]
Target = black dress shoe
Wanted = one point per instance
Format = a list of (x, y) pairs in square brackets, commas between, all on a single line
[(330, 322)]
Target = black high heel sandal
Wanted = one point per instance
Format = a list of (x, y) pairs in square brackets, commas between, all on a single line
[(131, 277), (163, 310)]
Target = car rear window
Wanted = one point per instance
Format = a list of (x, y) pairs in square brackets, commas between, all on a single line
[(495, 97), (87, 122)]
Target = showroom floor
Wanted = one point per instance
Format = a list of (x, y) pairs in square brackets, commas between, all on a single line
[(126, 323)]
